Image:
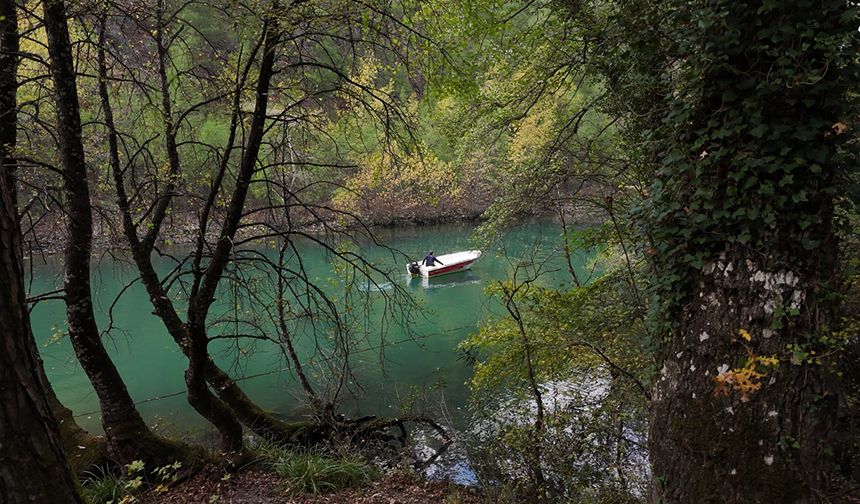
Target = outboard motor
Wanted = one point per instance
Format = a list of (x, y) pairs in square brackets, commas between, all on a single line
[(414, 268)]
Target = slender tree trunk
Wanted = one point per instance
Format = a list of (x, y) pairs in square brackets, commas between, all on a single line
[(199, 395), (9, 40), (535, 451), (33, 466), (251, 415), (84, 450), (166, 197), (127, 434), (287, 341), (565, 241)]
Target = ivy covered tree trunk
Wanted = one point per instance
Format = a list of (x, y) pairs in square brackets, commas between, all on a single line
[(735, 420), (33, 466), (128, 436), (743, 229)]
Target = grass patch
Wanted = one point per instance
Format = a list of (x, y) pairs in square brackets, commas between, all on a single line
[(101, 486), (316, 471)]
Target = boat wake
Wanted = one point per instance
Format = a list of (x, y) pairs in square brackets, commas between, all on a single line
[(376, 287), (467, 278), (447, 285)]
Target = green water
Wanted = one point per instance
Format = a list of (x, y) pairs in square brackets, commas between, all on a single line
[(416, 359)]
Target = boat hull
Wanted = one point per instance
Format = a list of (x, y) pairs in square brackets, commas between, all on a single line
[(451, 263)]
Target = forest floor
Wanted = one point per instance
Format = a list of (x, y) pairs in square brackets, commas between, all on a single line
[(256, 485)]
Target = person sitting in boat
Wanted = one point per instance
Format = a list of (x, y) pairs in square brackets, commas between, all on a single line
[(431, 260)]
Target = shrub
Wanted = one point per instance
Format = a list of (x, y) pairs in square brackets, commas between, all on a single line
[(103, 486)]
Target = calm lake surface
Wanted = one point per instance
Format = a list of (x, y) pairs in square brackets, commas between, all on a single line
[(416, 360)]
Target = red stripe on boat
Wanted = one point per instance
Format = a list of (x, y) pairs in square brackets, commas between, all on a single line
[(450, 268)]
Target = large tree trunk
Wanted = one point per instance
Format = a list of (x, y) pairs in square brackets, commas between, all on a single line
[(33, 466), (715, 444), (127, 434), (745, 405), (71, 435), (201, 398)]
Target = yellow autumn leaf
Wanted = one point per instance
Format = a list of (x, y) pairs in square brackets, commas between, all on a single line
[(769, 361), (745, 334)]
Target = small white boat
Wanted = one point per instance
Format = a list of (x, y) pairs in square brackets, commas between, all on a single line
[(451, 263)]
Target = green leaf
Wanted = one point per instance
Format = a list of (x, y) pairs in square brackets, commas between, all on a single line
[(759, 130)]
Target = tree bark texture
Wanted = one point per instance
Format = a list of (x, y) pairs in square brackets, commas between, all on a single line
[(33, 466), (718, 446)]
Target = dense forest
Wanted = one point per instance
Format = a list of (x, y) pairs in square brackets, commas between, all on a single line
[(214, 195)]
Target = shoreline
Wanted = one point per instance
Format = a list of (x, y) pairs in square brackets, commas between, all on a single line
[(106, 238), (48, 239)]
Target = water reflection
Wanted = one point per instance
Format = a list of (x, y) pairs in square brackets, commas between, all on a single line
[(448, 281)]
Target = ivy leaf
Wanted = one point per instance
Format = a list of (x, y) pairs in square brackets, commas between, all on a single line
[(759, 130)]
